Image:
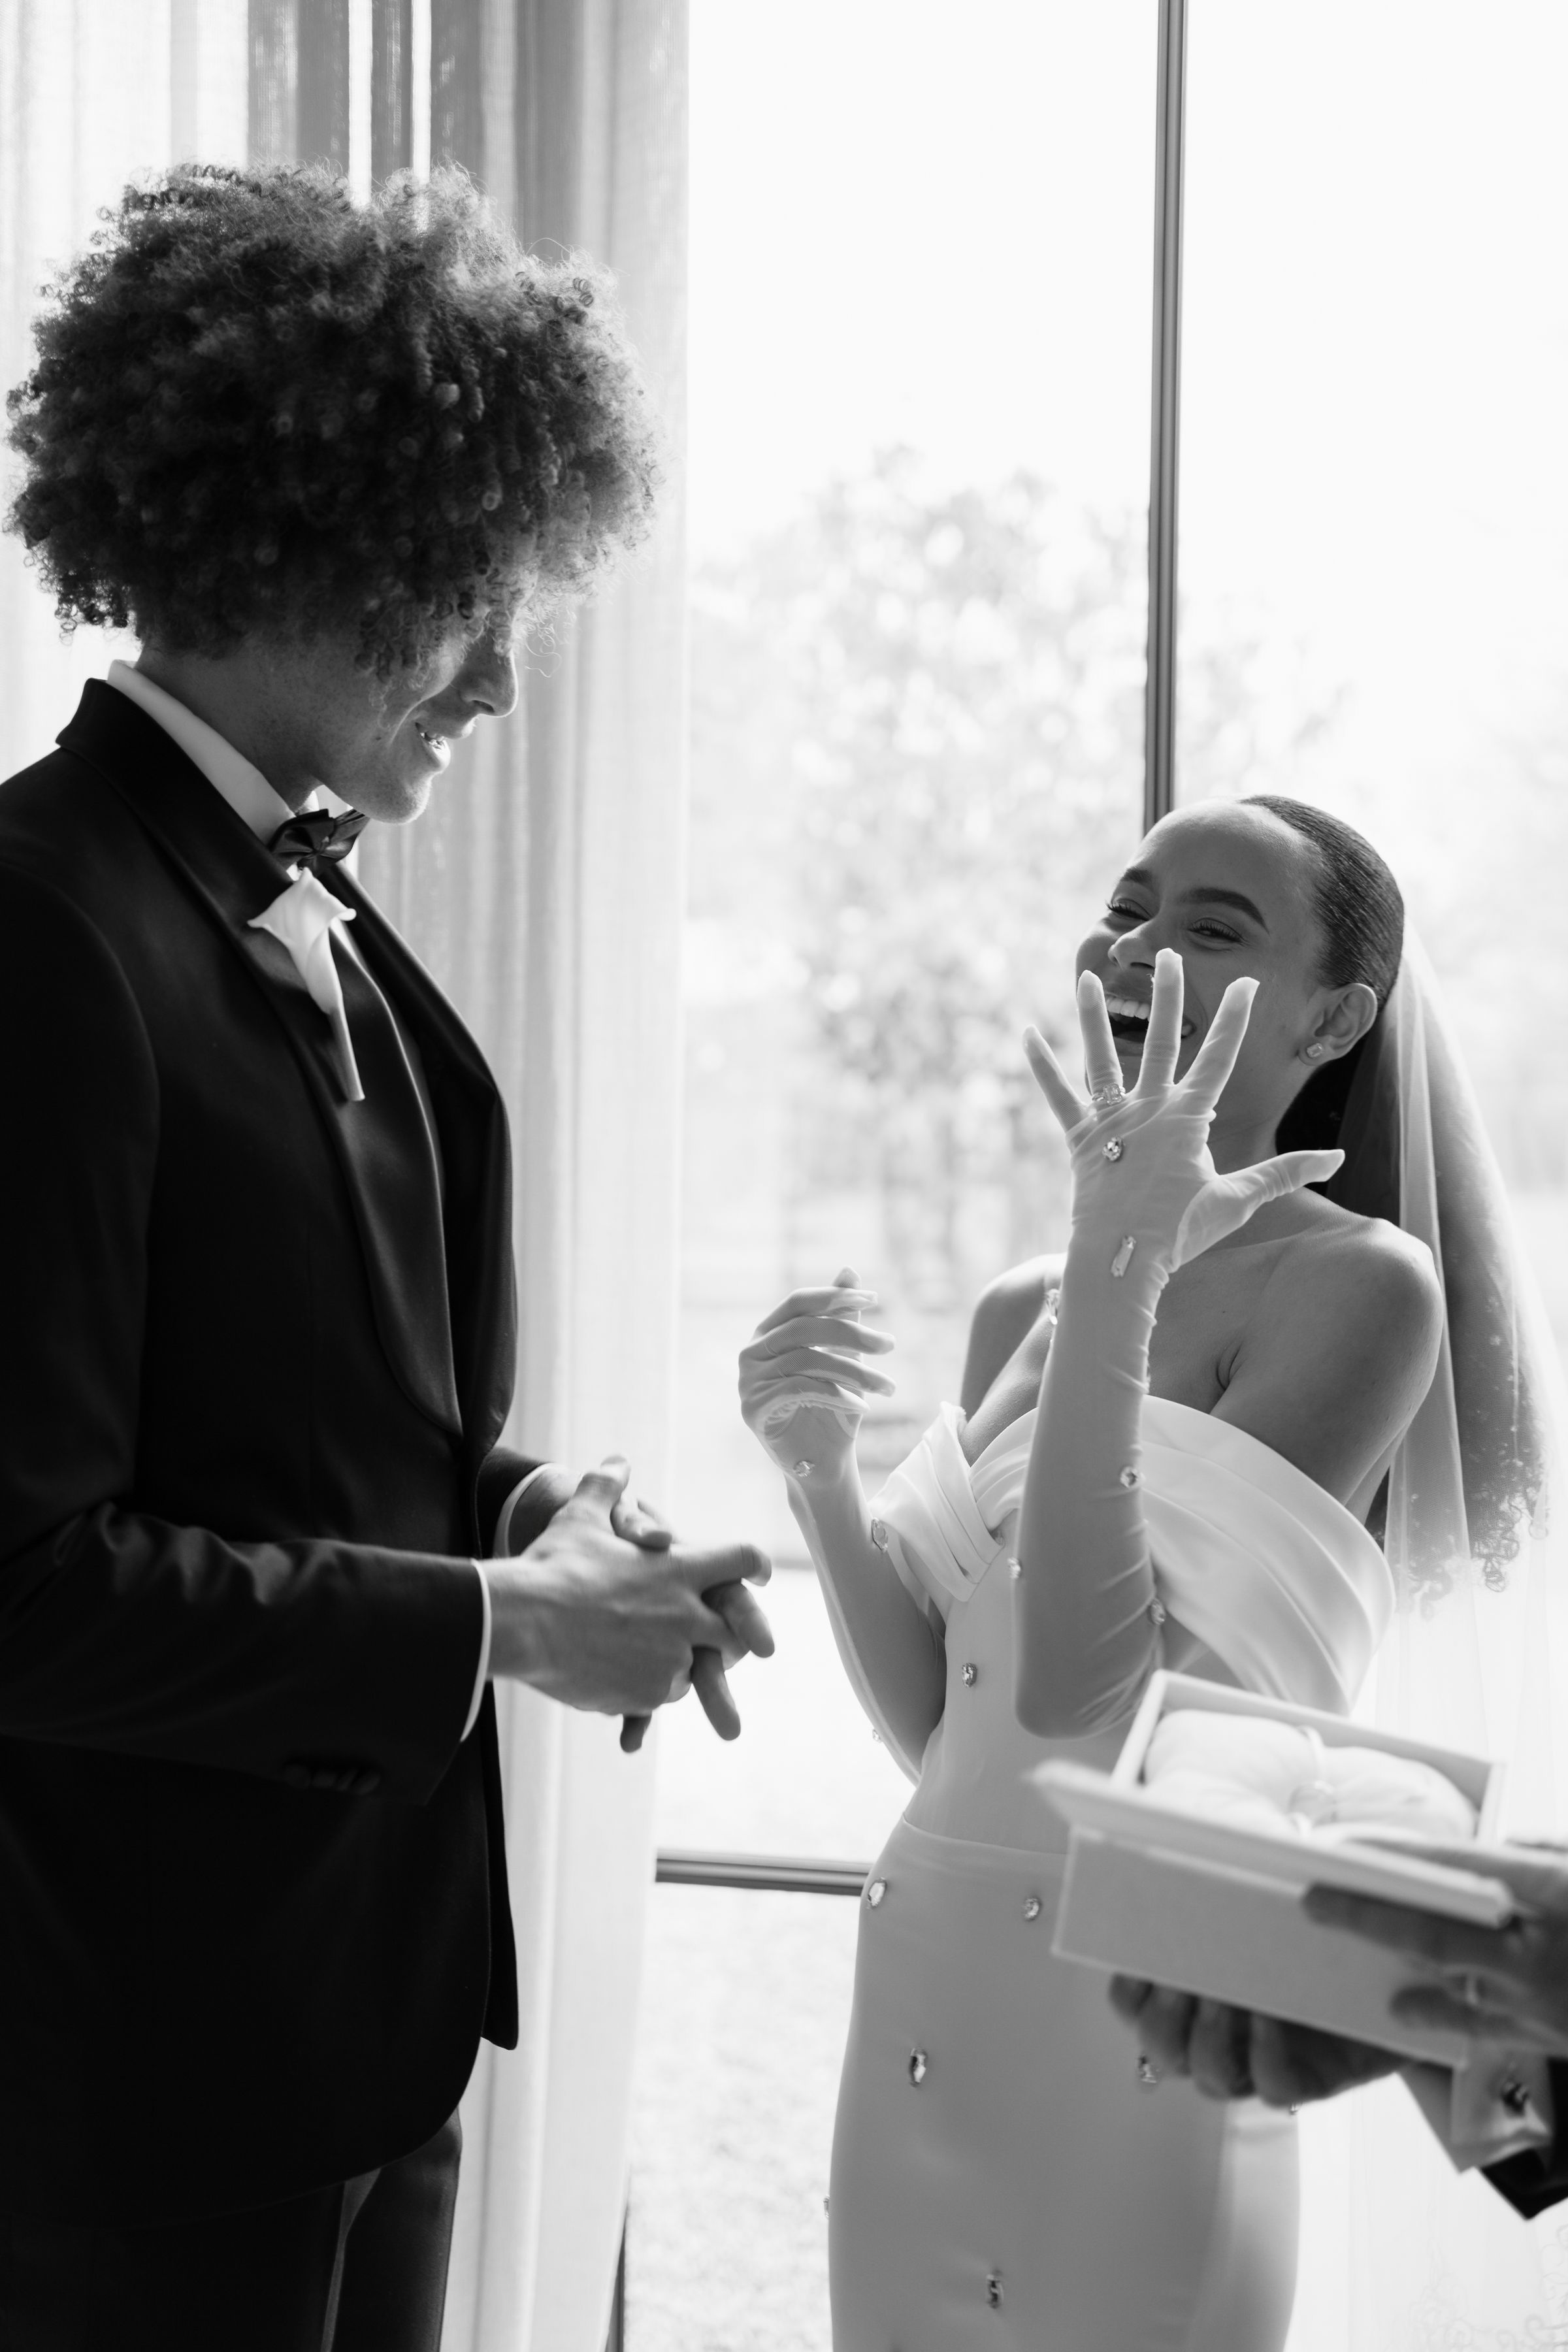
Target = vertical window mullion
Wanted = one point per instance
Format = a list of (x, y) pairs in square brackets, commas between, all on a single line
[(1160, 703)]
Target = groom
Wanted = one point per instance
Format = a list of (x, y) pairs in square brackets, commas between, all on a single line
[(256, 1291)]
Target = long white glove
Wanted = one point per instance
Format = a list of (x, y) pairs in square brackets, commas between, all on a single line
[(804, 1377), (1146, 1199)]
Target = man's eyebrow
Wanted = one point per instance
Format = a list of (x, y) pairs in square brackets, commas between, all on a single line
[(1209, 893)]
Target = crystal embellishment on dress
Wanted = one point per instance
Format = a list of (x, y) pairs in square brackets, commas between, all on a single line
[(1123, 1258), (1148, 2074), (1053, 1306), (803, 1469), (971, 1676), (1128, 1475), (1015, 1569), (1032, 1907), (994, 2291), (875, 1892), (1157, 1612), (918, 2066), (1114, 1150), (879, 1535)]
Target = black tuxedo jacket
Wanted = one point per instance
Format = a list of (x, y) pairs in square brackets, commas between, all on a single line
[(253, 1364)]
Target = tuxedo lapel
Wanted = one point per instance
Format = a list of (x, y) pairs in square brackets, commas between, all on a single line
[(381, 1143)]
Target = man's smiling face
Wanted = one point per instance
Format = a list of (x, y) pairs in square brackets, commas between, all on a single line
[(380, 744)]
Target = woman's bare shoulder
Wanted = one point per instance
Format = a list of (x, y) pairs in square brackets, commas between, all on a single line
[(1370, 1270), (1355, 1310), (1006, 1312), (1339, 1351)]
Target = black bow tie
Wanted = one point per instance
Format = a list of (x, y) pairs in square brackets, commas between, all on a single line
[(317, 839)]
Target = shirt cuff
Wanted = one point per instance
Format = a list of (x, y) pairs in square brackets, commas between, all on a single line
[(1503, 2106), (483, 1675), (1498, 2106), (501, 1546), (500, 1550)]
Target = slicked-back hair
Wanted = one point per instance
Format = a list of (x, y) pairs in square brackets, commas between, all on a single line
[(1359, 912), (1359, 905)]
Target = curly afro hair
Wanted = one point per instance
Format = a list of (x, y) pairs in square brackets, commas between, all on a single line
[(260, 407)]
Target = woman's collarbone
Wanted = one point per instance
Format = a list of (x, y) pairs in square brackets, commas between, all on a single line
[(1204, 1316)]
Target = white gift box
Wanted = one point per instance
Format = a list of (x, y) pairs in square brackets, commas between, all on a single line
[(1157, 1890)]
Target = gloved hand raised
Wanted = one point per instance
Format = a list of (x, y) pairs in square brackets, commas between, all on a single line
[(1142, 1172), (804, 1377)]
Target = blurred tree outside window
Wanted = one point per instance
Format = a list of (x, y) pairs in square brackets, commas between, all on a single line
[(918, 451), (916, 750), (1374, 475)]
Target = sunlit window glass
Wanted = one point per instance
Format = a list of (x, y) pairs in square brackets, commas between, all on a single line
[(921, 294), (1374, 487)]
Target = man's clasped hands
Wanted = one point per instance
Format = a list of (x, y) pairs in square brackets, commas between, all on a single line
[(607, 1611)]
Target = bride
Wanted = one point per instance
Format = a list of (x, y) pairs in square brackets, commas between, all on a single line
[(1168, 1442)]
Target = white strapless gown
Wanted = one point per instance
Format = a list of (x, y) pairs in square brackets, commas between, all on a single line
[(1001, 2178)]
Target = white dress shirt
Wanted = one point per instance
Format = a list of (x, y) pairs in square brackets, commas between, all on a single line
[(253, 800)]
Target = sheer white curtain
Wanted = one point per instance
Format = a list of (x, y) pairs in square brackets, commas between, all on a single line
[(545, 890), (547, 896)]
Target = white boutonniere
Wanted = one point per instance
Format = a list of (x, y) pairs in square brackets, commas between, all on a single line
[(302, 920)]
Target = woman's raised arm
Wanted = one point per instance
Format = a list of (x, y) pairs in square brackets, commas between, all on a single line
[(1146, 1198), (804, 1377)]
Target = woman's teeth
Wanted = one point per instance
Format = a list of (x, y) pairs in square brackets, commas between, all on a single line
[(1137, 1008), (437, 742)]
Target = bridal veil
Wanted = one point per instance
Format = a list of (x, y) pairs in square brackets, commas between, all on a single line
[(1399, 2253)]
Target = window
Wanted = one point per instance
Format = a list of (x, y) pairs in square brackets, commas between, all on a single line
[(919, 368), (1374, 487), (920, 474)]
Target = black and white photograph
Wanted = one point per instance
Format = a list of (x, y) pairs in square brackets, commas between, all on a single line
[(783, 1176)]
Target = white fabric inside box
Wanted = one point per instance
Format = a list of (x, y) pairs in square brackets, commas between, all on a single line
[(1258, 1774)]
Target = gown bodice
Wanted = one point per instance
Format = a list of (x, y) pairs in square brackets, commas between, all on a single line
[(1282, 1586)]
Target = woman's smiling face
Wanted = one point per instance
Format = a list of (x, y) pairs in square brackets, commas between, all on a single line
[(1232, 890)]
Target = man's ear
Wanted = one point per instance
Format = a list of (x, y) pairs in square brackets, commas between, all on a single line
[(1343, 1021)]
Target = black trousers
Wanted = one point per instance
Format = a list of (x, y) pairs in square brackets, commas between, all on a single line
[(360, 2267)]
